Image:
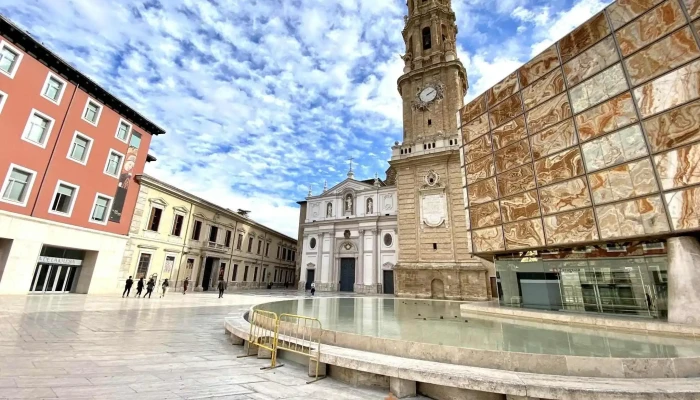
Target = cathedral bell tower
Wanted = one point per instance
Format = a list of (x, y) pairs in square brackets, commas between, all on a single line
[(434, 256)]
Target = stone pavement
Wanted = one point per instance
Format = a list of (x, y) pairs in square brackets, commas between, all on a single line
[(105, 347)]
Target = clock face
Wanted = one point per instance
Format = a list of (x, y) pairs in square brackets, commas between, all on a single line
[(428, 94)]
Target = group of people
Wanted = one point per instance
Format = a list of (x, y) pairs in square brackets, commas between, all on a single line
[(150, 285)]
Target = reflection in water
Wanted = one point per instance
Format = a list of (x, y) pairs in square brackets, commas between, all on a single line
[(440, 322)]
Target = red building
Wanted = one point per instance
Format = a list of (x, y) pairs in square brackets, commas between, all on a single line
[(69, 154)]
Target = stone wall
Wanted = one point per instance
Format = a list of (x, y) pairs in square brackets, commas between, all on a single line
[(451, 283)]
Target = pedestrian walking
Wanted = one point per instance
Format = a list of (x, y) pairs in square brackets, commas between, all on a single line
[(184, 285), (149, 288), (127, 287), (164, 286), (313, 288), (222, 287), (139, 287)]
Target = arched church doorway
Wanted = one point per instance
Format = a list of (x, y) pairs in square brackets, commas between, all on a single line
[(437, 289)]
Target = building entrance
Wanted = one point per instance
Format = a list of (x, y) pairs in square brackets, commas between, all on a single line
[(388, 281), (347, 274), (50, 278)]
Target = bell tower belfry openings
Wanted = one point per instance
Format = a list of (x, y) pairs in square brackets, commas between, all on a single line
[(432, 223)]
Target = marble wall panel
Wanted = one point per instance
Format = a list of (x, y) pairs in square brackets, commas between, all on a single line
[(488, 239), (564, 196), (675, 88), (480, 169), (680, 167), (591, 61), (477, 149), (503, 89), (548, 113), (623, 145), (654, 218), (623, 181), (583, 37), (506, 110), (693, 7), (475, 128), (559, 167), (684, 208), (509, 133), (482, 192), (662, 56), (473, 109), (598, 88), (620, 220), (550, 85), (524, 234), (539, 65), (623, 11), (646, 29), (570, 227), (519, 207), (606, 117), (513, 156), (484, 215), (516, 180), (553, 139), (674, 128), (696, 25)]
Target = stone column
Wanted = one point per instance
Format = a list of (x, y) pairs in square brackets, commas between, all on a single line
[(369, 269), (683, 280), (377, 259), (331, 263), (359, 274), (321, 273), (304, 261)]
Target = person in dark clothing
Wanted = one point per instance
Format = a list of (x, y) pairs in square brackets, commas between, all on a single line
[(149, 288), (165, 287), (184, 285), (222, 287), (139, 287), (127, 287)]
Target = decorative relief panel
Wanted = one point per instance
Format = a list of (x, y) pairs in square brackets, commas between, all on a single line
[(591, 61), (623, 181), (505, 111), (670, 90), (564, 196), (553, 139), (538, 66), (480, 169), (607, 117), (650, 26), (509, 133), (598, 88), (482, 192), (624, 11), (551, 85), (488, 239), (680, 167), (503, 89), (570, 227), (684, 208), (662, 56), (559, 167), (516, 180), (614, 148), (524, 234), (521, 206), (674, 128), (485, 215), (513, 156), (584, 36), (477, 149), (548, 113)]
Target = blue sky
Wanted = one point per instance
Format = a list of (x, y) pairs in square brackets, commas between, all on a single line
[(262, 98)]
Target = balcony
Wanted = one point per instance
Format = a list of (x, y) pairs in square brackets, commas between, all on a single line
[(216, 246)]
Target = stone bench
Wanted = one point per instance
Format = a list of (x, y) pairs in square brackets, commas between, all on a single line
[(483, 383)]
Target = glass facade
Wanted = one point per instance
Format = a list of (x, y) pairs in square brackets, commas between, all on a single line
[(625, 278)]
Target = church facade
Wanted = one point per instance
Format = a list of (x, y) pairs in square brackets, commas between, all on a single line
[(349, 237)]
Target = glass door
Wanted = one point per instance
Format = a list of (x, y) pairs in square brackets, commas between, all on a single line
[(52, 278)]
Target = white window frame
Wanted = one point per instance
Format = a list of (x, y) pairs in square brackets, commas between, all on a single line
[(6, 181), (28, 125), (3, 100), (60, 94), (87, 151), (73, 200), (99, 111), (20, 55), (94, 204), (119, 167), (128, 132)]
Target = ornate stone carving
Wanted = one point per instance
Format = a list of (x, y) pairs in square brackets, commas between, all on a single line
[(440, 94)]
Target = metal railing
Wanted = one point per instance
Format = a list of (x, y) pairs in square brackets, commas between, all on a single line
[(263, 334)]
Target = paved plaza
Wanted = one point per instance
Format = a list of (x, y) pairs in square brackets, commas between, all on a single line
[(106, 347)]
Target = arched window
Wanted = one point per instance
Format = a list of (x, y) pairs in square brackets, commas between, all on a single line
[(426, 38)]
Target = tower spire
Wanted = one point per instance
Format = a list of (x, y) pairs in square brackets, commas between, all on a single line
[(351, 174)]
